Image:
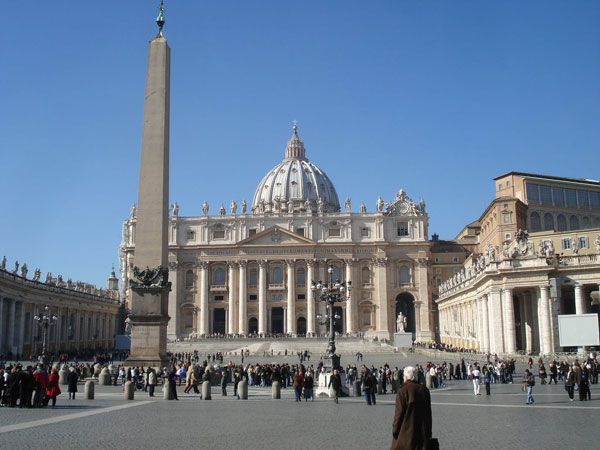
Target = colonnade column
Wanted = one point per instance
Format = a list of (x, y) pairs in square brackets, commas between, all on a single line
[(579, 300), (204, 298), (172, 327), (262, 296), (495, 321), (310, 300), (10, 338), (350, 303), (485, 324), (243, 312), (544, 320), (231, 291), (509, 317), (291, 300)]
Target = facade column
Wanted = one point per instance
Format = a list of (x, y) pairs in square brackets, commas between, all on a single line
[(527, 315), (509, 318), (579, 300), (231, 291), (310, 300), (242, 299), (381, 292), (21, 333), (350, 303), (485, 324), (262, 297), (2, 328), (495, 321), (204, 330), (291, 298), (323, 276), (544, 320), (285, 320), (172, 326)]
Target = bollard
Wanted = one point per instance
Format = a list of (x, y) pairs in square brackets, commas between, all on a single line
[(276, 390), (206, 390), (128, 390), (104, 378), (356, 388), (89, 390), (380, 387), (428, 381), (97, 370), (168, 393), (242, 390), (62, 376)]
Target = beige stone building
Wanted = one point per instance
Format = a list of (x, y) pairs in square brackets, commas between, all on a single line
[(87, 317), (509, 292), (249, 270)]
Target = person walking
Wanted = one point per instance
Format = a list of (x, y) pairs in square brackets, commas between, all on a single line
[(475, 374), (309, 383), (487, 378), (369, 388), (298, 383), (224, 383), (528, 384), (335, 383), (72, 378), (52, 390), (152, 381), (411, 428), (570, 383)]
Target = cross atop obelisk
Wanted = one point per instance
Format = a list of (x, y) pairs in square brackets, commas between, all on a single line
[(149, 285)]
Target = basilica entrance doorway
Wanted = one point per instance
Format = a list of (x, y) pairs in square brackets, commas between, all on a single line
[(277, 320), (253, 325), (301, 326), (405, 303), (219, 321)]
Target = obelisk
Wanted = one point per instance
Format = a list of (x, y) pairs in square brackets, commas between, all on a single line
[(149, 285)]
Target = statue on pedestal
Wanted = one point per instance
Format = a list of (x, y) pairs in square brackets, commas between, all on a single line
[(205, 208), (132, 212), (24, 270), (347, 205), (363, 208), (233, 207), (401, 323), (16, 268), (243, 206), (175, 209), (379, 204), (3, 266), (222, 210)]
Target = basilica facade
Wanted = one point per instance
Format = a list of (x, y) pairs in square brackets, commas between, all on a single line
[(249, 270)]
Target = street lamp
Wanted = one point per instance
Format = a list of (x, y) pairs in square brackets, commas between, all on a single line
[(45, 320), (331, 292)]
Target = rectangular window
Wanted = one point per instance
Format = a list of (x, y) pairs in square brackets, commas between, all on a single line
[(583, 199), (571, 195), (301, 297), (506, 218), (437, 260), (334, 232), (507, 236), (367, 318), (219, 298), (253, 297), (559, 196), (253, 279), (566, 244), (532, 192), (251, 232), (218, 234), (189, 321), (191, 235), (300, 232), (402, 228), (499, 186), (584, 242), (546, 194), (595, 200), (364, 232)]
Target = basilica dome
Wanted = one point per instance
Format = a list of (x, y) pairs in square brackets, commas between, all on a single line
[(295, 185)]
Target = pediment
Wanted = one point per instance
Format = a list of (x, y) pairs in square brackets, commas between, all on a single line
[(276, 236)]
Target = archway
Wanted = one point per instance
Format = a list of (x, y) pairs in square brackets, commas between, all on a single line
[(405, 303), (253, 325), (301, 326)]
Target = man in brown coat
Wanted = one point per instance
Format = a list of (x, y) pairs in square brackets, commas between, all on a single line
[(412, 419)]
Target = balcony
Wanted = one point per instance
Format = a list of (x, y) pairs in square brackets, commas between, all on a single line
[(277, 287), (218, 288)]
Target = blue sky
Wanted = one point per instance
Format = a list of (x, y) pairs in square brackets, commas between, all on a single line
[(434, 97)]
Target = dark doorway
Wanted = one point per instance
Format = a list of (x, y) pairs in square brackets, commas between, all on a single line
[(276, 320), (405, 303), (219, 321), (301, 326), (519, 324), (253, 325), (338, 324)]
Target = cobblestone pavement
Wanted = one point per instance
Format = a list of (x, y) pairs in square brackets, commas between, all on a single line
[(460, 420)]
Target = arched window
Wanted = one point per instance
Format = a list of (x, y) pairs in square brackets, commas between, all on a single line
[(277, 275), (365, 275), (548, 222), (561, 223), (301, 277), (336, 275), (220, 277), (573, 223), (586, 222), (253, 278), (404, 275), (535, 222), (189, 279)]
